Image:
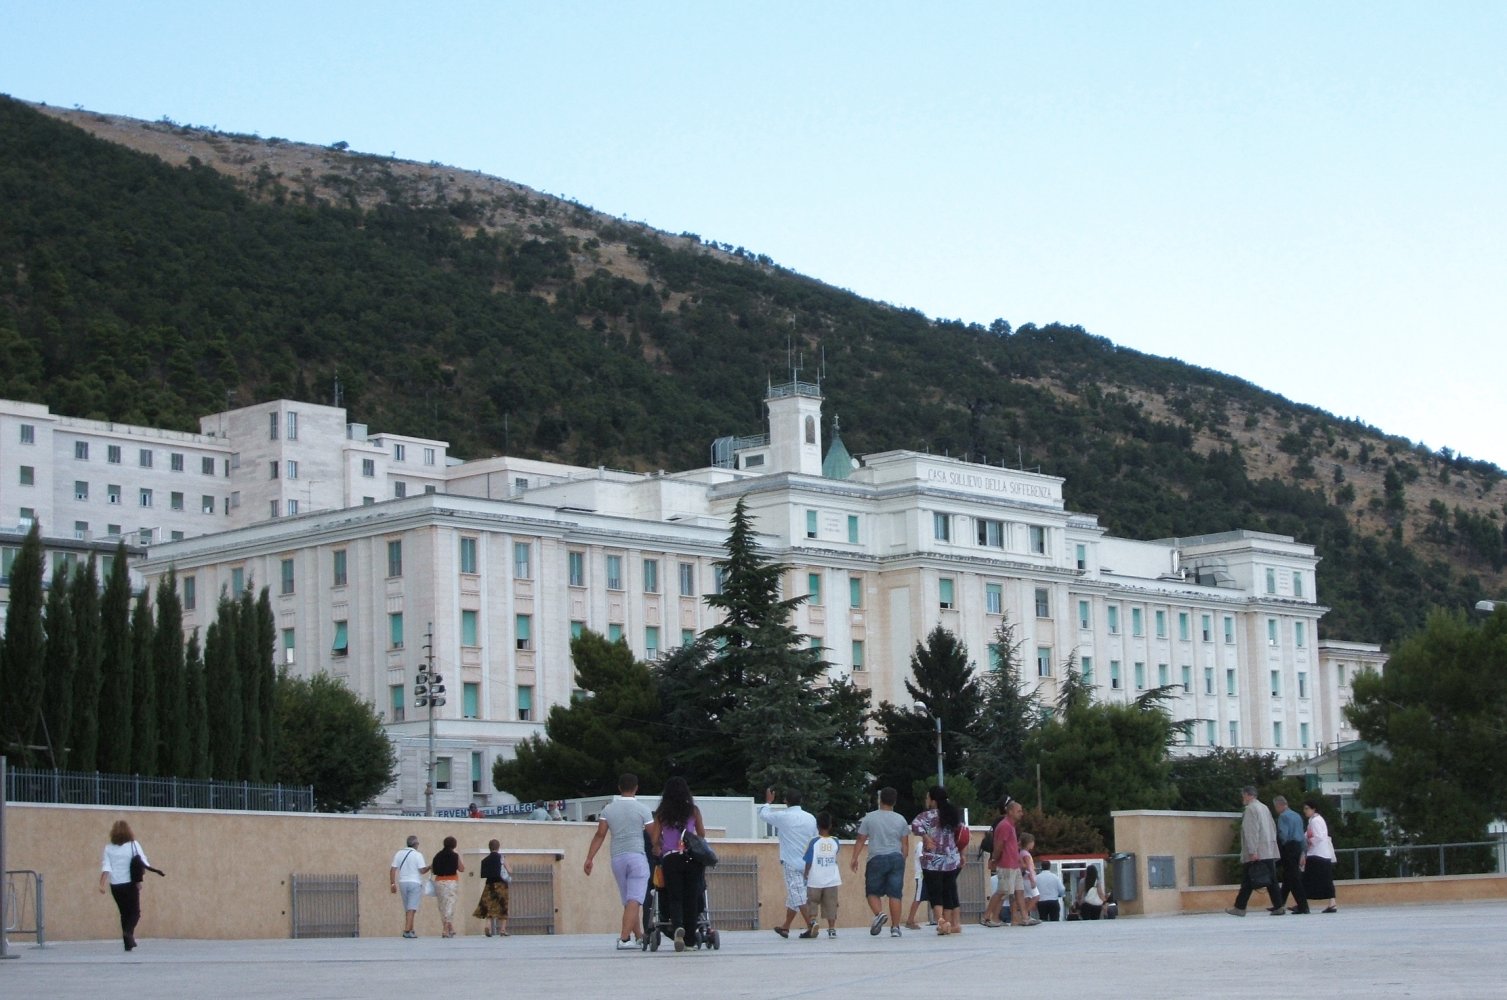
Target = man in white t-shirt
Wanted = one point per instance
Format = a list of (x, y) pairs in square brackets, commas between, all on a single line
[(625, 817), (796, 828), (407, 880)]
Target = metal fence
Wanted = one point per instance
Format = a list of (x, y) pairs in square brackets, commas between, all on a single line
[(21, 908), (24, 784), (732, 890), (1482, 857), (973, 890), (326, 906), (531, 899)]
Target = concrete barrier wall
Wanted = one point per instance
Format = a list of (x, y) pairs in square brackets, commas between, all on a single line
[(228, 872)]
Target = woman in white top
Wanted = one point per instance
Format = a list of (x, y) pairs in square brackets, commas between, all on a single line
[(115, 877), (1318, 865)]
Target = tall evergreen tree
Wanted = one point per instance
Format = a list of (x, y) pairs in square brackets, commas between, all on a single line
[(222, 682), (197, 709), (83, 594), (143, 689), (266, 669), (22, 682), (173, 750), (247, 669), (996, 754), (116, 668), (61, 668)]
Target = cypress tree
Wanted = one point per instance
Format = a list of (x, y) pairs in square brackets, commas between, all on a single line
[(84, 597), (266, 660), (61, 667), (223, 693), (143, 690), (198, 711), (23, 681), (173, 750), (116, 668), (250, 768)]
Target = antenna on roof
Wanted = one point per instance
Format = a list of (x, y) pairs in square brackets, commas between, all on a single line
[(339, 392)]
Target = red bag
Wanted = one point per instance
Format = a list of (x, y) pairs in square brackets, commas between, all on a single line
[(962, 837)]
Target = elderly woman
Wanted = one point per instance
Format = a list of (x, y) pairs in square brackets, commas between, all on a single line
[(1318, 863), (115, 876), (493, 906)]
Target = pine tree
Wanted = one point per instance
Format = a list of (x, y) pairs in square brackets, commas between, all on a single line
[(61, 668), (23, 681), (223, 693), (143, 690), (116, 668), (83, 595), (173, 750), (198, 711), (250, 767), (996, 754)]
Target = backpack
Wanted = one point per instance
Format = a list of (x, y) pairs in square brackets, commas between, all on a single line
[(986, 842)]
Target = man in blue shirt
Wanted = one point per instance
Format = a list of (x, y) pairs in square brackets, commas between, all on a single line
[(1291, 842)]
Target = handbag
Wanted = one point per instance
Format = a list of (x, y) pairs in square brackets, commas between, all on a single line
[(1262, 875), (429, 887), (138, 864), (697, 847)]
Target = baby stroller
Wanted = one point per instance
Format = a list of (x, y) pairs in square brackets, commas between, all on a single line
[(657, 926)]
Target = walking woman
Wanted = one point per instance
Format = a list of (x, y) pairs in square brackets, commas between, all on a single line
[(116, 877), (1090, 901), (684, 876), (1318, 864), (943, 838), (493, 907), (446, 868)]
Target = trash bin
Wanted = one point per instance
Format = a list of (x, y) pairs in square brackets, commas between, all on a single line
[(1122, 876)]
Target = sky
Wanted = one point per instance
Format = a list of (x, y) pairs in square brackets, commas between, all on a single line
[(1311, 197)]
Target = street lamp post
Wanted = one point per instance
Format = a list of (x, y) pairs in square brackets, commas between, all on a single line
[(923, 708), (429, 692)]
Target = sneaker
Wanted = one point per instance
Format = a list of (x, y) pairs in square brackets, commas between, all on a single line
[(1234, 911), (409, 934), (831, 932), (894, 932), (912, 925), (680, 939), (626, 944), (877, 924), (1033, 922), (809, 933)]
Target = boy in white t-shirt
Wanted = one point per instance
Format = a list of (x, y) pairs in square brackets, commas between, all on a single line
[(822, 876)]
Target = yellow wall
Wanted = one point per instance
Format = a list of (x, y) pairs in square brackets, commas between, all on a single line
[(227, 872)]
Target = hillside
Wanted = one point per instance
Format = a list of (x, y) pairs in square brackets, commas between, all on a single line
[(151, 272)]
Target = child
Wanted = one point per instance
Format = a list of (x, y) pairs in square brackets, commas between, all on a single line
[(822, 876), (1028, 877)]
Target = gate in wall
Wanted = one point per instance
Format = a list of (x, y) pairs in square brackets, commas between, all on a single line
[(531, 899), (326, 906), (732, 890)]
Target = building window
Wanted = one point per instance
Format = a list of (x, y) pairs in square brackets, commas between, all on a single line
[(1112, 612), (80, 489), (468, 622), (523, 632), (81, 530), (468, 556), (1208, 680), (369, 468), (687, 579), (190, 588), (175, 500), (292, 426), (1043, 661), (814, 588), (1271, 581), (1230, 687), (1229, 631), (395, 557), (206, 465), (399, 489), (1114, 674), (1276, 734), (614, 632), (176, 536), (525, 703), (395, 702), (651, 576), (994, 599), (651, 642), (522, 560), (1271, 631), (1080, 556), (1086, 670), (855, 592), (1161, 624), (1276, 676), (575, 566), (991, 533), (28, 434), (1297, 591), (1162, 676), (577, 629), (237, 581), (1299, 634), (1038, 539), (944, 594), (1209, 731), (470, 699), (442, 774), (292, 469), (1303, 685), (337, 559), (1085, 619), (428, 456), (520, 484), (399, 453), (1182, 625), (81, 451), (1208, 627), (810, 524), (395, 630), (144, 456), (853, 529), (1140, 676), (272, 507), (687, 636), (272, 426), (1303, 733), (614, 572), (1234, 733), (1187, 678), (941, 527), (857, 655), (146, 497), (476, 768), (287, 576), (28, 475), (206, 504), (1043, 603), (1137, 625), (290, 643), (341, 645), (112, 454)]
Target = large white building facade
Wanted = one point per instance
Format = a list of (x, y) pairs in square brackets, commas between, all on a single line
[(380, 551)]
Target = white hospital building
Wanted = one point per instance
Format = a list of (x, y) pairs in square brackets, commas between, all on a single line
[(370, 541)]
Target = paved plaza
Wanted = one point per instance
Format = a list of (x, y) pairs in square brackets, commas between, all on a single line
[(1432, 951)]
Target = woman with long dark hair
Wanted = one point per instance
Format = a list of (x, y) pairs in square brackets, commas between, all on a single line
[(943, 838), (116, 878), (1089, 901), (684, 876)]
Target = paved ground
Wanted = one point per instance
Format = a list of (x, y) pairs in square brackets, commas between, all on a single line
[(1441, 951)]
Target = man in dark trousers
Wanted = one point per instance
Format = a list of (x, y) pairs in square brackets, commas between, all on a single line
[(1292, 844), (1258, 850)]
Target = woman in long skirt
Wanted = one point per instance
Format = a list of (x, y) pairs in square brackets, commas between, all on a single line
[(1318, 864), (493, 906)]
